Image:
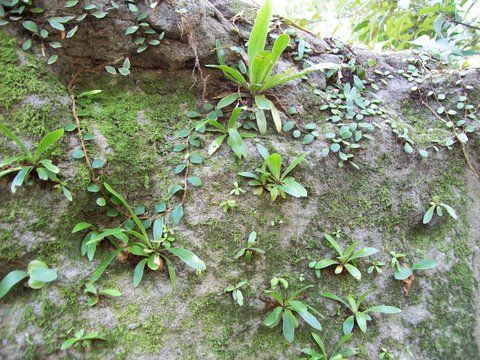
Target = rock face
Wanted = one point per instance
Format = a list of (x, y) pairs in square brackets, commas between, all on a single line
[(135, 121)]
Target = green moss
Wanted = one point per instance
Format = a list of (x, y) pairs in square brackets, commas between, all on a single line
[(17, 81), (448, 330)]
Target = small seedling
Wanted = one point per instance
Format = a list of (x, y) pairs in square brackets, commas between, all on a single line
[(82, 339), (345, 259), (236, 291), (338, 353), (286, 306), (228, 205), (153, 249), (28, 161), (359, 316), (250, 250), (270, 177), (237, 190), (375, 265), (405, 273), (437, 206), (38, 274), (94, 294), (385, 354)]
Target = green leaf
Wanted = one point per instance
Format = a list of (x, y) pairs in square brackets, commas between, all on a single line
[(403, 273), (158, 229), (177, 214), (43, 275), (332, 296), (47, 163), (103, 265), (72, 32), (384, 309), (129, 209), (425, 264), (138, 272), (288, 326), (273, 317), (31, 26), (236, 142), (20, 178), (258, 36), (131, 30), (110, 292), (11, 280), (310, 320), (111, 70), (171, 271), (348, 325), (450, 210), (98, 163), (294, 164), (194, 181), (5, 131), (462, 137), (428, 215), (81, 226), (353, 271), (49, 140), (361, 321), (363, 253), (261, 121), (70, 3), (231, 74), (68, 343), (56, 24), (215, 144), (227, 100), (291, 187), (274, 163), (188, 258)]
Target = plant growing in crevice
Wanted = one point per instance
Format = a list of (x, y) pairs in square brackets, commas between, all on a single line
[(28, 161), (437, 206), (80, 339), (404, 273), (153, 249), (231, 133), (236, 291), (38, 274), (237, 190), (259, 69), (375, 265), (359, 316), (228, 205), (95, 294), (338, 352), (248, 252), (346, 259), (285, 306), (270, 177)]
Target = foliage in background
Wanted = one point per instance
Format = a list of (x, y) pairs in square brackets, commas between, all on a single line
[(439, 25)]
